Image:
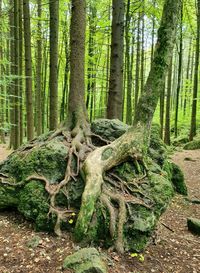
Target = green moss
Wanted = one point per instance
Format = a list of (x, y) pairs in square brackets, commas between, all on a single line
[(192, 145), (176, 176), (157, 149), (106, 153), (34, 205), (8, 197), (48, 159), (178, 180), (194, 225), (180, 140), (136, 240)]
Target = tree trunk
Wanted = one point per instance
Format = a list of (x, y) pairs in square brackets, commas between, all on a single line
[(137, 66), (77, 113), (115, 96), (179, 75), (39, 71), (21, 87), (196, 77), (28, 70), (53, 75), (128, 66), (16, 81), (187, 88), (167, 113), (133, 143), (2, 134), (162, 109)]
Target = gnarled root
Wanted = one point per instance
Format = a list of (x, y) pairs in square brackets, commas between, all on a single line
[(94, 167)]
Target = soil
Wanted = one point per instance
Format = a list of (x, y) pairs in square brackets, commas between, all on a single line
[(173, 248)]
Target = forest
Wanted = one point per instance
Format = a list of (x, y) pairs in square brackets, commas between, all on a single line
[(99, 136)]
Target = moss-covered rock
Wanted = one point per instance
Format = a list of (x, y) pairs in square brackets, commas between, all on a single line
[(192, 145), (194, 225), (8, 197), (180, 140), (176, 176), (48, 158), (84, 261)]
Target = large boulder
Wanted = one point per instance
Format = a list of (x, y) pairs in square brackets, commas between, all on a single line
[(47, 156)]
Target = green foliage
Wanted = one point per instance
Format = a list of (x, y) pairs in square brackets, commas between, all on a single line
[(192, 145)]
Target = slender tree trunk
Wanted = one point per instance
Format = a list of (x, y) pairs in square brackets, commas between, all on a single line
[(167, 113), (16, 81), (12, 70), (2, 94), (128, 66), (39, 71), (142, 50), (153, 34), (28, 70), (179, 75), (21, 87), (115, 95), (138, 57), (53, 75), (196, 77), (162, 109), (187, 79), (65, 93)]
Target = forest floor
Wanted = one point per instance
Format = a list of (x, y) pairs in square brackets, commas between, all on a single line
[(173, 250)]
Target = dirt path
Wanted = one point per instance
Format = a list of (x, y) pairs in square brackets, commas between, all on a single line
[(174, 250)]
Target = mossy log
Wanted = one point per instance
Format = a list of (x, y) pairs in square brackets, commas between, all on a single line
[(122, 209)]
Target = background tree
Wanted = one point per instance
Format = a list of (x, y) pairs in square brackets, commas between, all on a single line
[(28, 70), (115, 94), (53, 73)]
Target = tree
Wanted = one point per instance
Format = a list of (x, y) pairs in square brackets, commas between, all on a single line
[(133, 143), (16, 73), (115, 95), (39, 71), (167, 115), (28, 70), (53, 74), (179, 74), (75, 148), (196, 77)]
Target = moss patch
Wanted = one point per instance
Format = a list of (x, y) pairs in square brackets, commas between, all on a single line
[(192, 145)]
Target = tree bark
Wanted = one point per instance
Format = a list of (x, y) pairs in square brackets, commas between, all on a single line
[(53, 74), (77, 113), (115, 96), (167, 113), (28, 70), (179, 75), (16, 81), (196, 77), (39, 71), (133, 143)]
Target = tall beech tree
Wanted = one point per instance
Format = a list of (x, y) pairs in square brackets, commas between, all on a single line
[(39, 71), (196, 77), (53, 74), (180, 61), (133, 144), (28, 70), (115, 95)]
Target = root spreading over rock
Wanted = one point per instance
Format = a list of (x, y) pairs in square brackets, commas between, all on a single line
[(82, 181)]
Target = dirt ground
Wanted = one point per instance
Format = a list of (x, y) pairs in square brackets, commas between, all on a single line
[(172, 250)]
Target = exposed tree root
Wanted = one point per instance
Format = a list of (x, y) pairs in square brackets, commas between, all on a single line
[(102, 183)]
